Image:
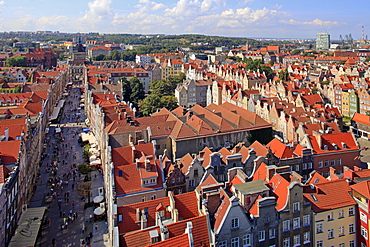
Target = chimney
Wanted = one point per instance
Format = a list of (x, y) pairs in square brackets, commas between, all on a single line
[(318, 137), (144, 220), (212, 202), (138, 215), (148, 166), (189, 231), (332, 174), (133, 154), (348, 172), (7, 134)]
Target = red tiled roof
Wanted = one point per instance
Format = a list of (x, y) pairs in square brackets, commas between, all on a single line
[(259, 148), (361, 118), (181, 240), (335, 138), (280, 150), (221, 210), (330, 195), (362, 188), (9, 151), (280, 188)]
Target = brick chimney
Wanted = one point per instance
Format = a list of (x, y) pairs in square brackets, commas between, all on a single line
[(348, 172)]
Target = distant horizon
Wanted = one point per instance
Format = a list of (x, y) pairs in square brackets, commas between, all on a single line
[(240, 18)]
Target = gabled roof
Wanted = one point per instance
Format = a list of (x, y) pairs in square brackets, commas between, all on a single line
[(335, 138), (9, 151), (185, 211), (180, 240), (280, 150), (259, 149), (221, 210), (361, 118), (329, 195), (279, 186), (362, 188)]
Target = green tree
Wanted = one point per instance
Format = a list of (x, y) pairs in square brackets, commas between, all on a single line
[(284, 75), (126, 89), (314, 90), (268, 71), (367, 59), (115, 55), (150, 104), (99, 57), (19, 61), (137, 90), (295, 52), (162, 87), (18, 89), (169, 102)]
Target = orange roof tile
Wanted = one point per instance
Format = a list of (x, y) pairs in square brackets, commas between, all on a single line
[(330, 195), (280, 150)]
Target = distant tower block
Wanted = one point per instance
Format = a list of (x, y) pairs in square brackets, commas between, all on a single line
[(322, 41)]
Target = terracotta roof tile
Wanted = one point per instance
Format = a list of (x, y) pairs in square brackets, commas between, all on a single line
[(280, 150), (330, 195)]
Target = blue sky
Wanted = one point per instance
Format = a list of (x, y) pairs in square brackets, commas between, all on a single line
[(236, 18)]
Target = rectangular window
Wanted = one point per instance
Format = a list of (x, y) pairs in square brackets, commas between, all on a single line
[(351, 212), (332, 163), (330, 233), (363, 217), (272, 233), (261, 236), (320, 164), (235, 223), (222, 244), (339, 162), (319, 243), (297, 240), (120, 218), (309, 165), (286, 242), (306, 238), (351, 229), (247, 240), (341, 231), (341, 214), (352, 243), (286, 225), (296, 223), (319, 228), (235, 242), (326, 163), (306, 220), (331, 216), (191, 183), (304, 166), (296, 207), (364, 232)]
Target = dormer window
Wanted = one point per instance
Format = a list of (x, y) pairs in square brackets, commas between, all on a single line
[(344, 145), (325, 147), (335, 146)]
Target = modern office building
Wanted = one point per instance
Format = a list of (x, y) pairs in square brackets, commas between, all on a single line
[(322, 41)]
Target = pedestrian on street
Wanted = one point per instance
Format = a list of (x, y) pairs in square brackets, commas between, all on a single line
[(96, 227)]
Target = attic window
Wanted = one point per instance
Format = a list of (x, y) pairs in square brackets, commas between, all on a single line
[(119, 173), (344, 145), (325, 147), (335, 146)]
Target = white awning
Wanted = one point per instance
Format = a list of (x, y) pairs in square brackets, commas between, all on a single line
[(58, 130), (95, 162), (98, 199), (99, 211)]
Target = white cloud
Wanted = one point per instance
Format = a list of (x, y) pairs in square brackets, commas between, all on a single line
[(147, 5), (316, 22), (98, 10), (2, 2)]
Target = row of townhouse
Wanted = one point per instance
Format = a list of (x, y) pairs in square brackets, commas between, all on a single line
[(133, 168), (24, 117), (271, 207)]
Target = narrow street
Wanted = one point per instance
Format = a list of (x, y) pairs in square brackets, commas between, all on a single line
[(57, 187)]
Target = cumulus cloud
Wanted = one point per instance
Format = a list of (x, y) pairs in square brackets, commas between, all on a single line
[(316, 22), (98, 10), (147, 5)]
